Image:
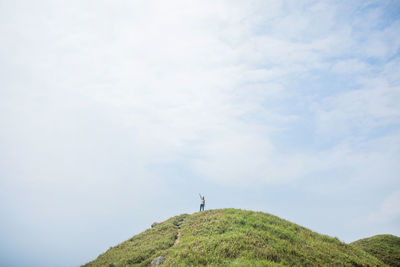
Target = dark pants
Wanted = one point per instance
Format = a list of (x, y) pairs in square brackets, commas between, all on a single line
[(201, 207)]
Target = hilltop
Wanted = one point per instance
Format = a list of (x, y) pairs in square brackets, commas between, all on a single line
[(384, 247), (231, 237)]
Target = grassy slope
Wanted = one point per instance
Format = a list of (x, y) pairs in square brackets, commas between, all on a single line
[(384, 247), (230, 237)]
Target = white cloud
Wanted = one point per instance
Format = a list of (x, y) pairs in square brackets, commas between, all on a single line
[(171, 83), (192, 71), (388, 211), (350, 67), (363, 110)]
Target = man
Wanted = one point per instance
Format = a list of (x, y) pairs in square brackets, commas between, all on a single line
[(203, 202)]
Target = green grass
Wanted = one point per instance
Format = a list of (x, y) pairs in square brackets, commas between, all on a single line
[(230, 237), (384, 247), (142, 248)]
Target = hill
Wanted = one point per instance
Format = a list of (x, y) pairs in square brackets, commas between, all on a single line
[(384, 247), (231, 237)]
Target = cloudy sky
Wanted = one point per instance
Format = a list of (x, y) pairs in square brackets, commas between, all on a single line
[(116, 114)]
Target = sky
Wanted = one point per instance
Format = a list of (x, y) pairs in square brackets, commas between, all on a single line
[(117, 114)]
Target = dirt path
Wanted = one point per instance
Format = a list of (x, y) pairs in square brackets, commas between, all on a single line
[(178, 237)]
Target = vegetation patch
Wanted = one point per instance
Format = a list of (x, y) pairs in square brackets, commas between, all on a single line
[(231, 237), (142, 248), (384, 247)]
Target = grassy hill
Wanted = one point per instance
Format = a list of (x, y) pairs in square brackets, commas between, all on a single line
[(384, 247), (230, 237)]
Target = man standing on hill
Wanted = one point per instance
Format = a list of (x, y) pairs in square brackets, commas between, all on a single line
[(203, 202)]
